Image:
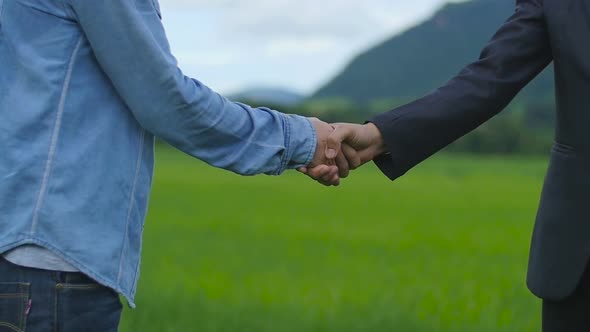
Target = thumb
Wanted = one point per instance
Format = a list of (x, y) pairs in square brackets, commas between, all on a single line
[(340, 134)]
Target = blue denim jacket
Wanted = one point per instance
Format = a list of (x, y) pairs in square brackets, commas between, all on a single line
[(85, 85)]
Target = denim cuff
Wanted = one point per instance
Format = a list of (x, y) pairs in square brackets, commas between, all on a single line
[(300, 142)]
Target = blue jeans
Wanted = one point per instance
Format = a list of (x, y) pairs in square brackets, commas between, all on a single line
[(34, 300)]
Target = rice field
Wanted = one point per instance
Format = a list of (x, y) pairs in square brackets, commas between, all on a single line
[(443, 249)]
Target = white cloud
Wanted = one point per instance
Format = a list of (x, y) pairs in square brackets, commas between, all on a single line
[(296, 43), (333, 18)]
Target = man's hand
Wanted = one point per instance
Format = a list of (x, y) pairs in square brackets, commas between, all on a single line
[(358, 144), (329, 165), (362, 143)]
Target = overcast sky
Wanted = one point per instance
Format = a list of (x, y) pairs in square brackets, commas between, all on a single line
[(296, 44)]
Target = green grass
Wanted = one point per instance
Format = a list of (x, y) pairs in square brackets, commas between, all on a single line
[(442, 249)]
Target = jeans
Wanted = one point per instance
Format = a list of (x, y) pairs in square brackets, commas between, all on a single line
[(35, 300)]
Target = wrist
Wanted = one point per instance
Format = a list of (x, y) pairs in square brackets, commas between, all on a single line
[(377, 142)]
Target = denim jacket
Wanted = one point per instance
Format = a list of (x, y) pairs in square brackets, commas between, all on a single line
[(85, 85)]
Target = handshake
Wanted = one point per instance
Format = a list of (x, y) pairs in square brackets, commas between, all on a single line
[(340, 148)]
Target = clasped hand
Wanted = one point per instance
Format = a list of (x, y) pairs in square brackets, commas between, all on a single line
[(342, 147)]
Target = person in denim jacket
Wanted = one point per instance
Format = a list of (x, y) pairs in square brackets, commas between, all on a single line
[(85, 86)]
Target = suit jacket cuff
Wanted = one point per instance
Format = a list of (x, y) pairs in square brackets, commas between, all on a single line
[(392, 164)]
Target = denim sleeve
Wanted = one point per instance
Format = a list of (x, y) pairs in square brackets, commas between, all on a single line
[(131, 47)]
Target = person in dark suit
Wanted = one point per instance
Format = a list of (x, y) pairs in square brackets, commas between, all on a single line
[(539, 32)]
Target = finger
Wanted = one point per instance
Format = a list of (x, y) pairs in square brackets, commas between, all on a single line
[(352, 156), (325, 183), (339, 135), (328, 175), (335, 181), (319, 172), (302, 170), (367, 155), (342, 163)]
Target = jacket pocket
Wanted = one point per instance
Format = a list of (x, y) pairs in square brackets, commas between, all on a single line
[(14, 299), (560, 248), (563, 148), (564, 202), (95, 303)]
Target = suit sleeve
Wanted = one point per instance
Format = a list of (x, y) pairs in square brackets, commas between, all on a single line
[(517, 53)]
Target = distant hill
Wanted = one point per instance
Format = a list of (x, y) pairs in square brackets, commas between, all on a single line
[(417, 61), (270, 96)]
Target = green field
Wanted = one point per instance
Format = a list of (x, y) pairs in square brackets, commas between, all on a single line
[(442, 249)]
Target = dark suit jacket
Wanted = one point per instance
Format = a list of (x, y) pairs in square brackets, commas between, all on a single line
[(540, 31)]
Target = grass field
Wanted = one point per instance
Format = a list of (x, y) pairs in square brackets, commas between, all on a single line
[(442, 249)]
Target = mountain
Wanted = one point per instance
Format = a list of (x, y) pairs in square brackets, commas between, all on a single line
[(271, 96), (426, 56)]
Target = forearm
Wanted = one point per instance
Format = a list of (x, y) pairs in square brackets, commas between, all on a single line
[(230, 135)]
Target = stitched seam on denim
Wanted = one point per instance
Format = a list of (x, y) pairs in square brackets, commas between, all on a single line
[(20, 285), (287, 139), (55, 291), (55, 136), (131, 199), (21, 312), (314, 136), (25, 315), (137, 267), (135, 279), (81, 286), (10, 326), (22, 303), (13, 295)]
